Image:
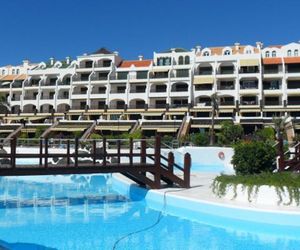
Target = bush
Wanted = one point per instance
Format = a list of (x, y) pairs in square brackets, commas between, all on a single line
[(200, 139), (95, 136), (253, 157), (167, 139), (265, 134), (230, 133)]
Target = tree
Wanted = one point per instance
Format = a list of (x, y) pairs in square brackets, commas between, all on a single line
[(215, 107), (230, 133), (4, 106)]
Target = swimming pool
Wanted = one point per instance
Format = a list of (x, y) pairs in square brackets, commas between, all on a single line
[(90, 212)]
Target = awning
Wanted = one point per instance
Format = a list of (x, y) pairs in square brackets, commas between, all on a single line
[(205, 126), (226, 111), (273, 109), (68, 129), (203, 80), (6, 130), (175, 113), (171, 130), (149, 128), (272, 60), (152, 114), (5, 83), (249, 62), (113, 128), (249, 110), (290, 60), (160, 70), (35, 118)]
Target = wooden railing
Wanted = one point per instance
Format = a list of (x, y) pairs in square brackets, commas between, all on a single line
[(145, 165)]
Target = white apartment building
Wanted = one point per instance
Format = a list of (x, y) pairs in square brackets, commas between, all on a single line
[(252, 84)]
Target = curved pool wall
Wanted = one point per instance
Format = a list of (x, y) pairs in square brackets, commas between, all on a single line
[(207, 158), (204, 211)]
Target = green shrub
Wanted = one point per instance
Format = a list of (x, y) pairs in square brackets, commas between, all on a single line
[(39, 131), (199, 139), (95, 136), (253, 157), (135, 135), (167, 139), (265, 134), (229, 133), (77, 134)]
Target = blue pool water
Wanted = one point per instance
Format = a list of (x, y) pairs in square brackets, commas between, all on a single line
[(83, 212)]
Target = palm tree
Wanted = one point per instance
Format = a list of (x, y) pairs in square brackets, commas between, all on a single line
[(4, 103), (279, 125), (215, 107)]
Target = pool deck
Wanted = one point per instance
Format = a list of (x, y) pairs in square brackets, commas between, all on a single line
[(201, 191)]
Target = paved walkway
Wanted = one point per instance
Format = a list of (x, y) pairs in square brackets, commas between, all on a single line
[(201, 190)]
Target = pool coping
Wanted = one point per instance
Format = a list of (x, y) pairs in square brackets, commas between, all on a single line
[(178, 204)]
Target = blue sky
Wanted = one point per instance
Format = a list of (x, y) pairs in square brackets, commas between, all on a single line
[(39, 29)]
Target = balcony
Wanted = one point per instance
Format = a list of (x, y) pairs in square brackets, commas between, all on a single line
[(248, 85), (47, 97), (249, 101), (226, 86), (204, 71), (226, 70), (271, 69), (29, 98), (293, 68), (16, 98), (249, 70), (272, 85)]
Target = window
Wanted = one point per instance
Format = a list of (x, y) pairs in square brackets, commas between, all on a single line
[(187, 60), (296, 52), (180, 60), (17, 71), (289, 53), (273, 53), (227, 52), (267, 54), (248, 51), (3, 72), (206, 53), (13, 71)]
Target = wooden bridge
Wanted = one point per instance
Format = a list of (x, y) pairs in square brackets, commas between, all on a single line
[(151, 169)]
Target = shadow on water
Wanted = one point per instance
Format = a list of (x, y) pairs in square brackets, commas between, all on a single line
[(22, 246)]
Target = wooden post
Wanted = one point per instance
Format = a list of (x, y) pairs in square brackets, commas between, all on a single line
[(143, 150), (94, 152), (76, 153), (41, 151), (157, 149), (68, 152), (119, 151), (46, 152), (13, 145), (281, 154), (187, 170), (130, 152), (104, 151)]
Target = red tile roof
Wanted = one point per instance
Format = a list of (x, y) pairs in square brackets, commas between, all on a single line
[(137, 63), (272, 60), (288, 60)]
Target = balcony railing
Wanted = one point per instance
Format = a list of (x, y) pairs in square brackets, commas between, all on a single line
[(249, 86), (222, 87), (16, 98), (249, 103), (47, 98), (272, 103), (227, 103), (29, 97)]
